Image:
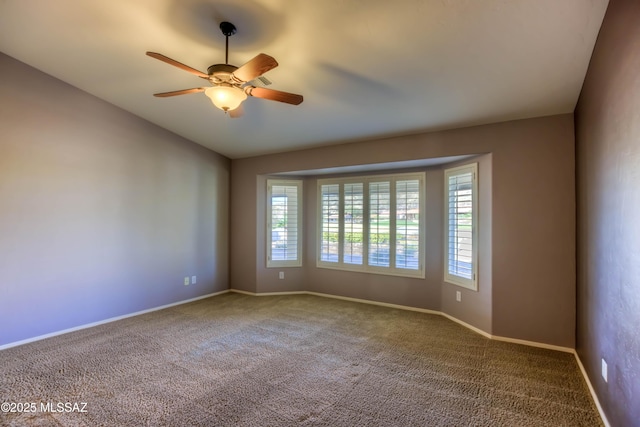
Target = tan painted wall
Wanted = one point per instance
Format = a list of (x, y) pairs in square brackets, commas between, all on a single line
[(608, 148), (102, 214)]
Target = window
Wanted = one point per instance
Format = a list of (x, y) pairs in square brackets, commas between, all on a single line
[(373, 224), (284, 226), (461, 231)]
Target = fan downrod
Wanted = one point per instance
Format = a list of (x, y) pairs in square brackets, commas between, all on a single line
[(228, 29)]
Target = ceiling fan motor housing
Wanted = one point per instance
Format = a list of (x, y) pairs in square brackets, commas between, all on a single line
[(221, 72)]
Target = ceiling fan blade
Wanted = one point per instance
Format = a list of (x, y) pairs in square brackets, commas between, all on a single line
[(178, 64), (238, 112), (255, 67), (179, 92), (274, 95)]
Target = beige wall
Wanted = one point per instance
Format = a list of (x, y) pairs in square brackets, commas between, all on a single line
[(102, 214), (531, 276), (608, 148)]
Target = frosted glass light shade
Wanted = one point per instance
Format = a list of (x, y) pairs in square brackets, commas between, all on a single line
[(226, 98)]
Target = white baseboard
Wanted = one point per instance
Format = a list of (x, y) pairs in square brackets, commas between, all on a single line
[(366, 301), (605, 421), (466, 325), (267, 294), (533, 344), (111, 319), (319, 294)]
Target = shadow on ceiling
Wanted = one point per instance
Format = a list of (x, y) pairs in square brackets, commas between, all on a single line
[(200, 20)]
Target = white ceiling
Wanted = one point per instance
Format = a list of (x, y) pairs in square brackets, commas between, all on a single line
[(367, 69)]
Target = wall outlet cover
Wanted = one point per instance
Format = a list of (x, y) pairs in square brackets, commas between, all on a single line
[(186, 281), (193, 280)]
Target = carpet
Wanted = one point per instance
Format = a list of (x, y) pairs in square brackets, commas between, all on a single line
[(298, 360)]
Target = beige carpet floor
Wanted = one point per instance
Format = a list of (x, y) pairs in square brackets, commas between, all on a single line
[(300, 360)]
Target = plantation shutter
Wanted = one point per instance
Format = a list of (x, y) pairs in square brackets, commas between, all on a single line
[(408, 224), (330, 222), (353, 221), (460, 226), (379, 215), (283, 223)]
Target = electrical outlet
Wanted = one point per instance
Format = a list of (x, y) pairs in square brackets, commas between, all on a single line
[(186, 281), (604, 370), (458, 296), (193, 280), (281, 275)]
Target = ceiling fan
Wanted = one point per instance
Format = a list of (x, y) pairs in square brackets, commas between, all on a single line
[(230, 85)]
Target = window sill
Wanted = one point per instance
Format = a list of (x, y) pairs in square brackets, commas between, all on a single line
[(412, 274)]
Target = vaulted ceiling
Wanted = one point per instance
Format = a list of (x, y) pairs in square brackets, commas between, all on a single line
[(367, 69)]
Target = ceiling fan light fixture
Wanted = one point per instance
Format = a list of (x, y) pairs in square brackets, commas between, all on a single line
[(226, 97), (230, 84)]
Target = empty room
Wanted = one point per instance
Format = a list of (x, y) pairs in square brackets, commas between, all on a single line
[(333, 213)]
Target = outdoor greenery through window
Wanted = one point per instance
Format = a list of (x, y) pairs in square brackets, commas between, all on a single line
[(460, 226), (284, 229), (373, 224)]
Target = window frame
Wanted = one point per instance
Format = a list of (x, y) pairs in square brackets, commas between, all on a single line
[(392, 269), (468, 283), (298, 184)]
